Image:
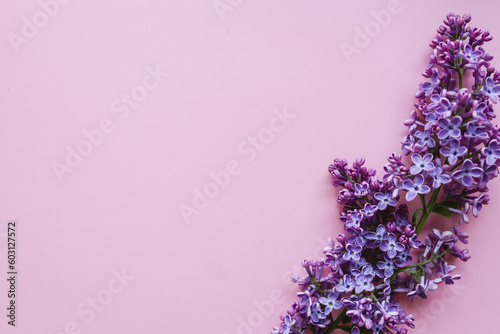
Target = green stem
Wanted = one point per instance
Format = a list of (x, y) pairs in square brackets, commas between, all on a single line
[(334, 324), (427, 211), (424, 262), (424, 206), (416, 265)]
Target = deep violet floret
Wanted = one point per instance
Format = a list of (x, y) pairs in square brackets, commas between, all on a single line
[(453, 152)]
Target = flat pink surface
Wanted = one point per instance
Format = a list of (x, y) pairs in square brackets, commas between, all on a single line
[(260, 97)]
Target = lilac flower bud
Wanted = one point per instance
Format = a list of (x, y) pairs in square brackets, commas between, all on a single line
[(336, 181), (358, 162), (374, 185), (409, 230), (441, 30), (486, 36), (496, 76), (340, 163), (403, 239), (462, 254), (344, 196), (463, 96)]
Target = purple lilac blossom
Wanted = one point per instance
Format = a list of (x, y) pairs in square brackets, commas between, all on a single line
[(454, 151), (454, 154), (421, 163), (415, 187)]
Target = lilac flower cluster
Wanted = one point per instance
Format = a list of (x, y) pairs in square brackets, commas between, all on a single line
[(454, 151)]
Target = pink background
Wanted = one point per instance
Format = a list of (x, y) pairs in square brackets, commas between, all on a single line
[(119, 208)]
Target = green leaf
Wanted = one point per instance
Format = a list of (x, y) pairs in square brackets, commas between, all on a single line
[(442, 207), (416, 214), (442, 210), (417, 273)]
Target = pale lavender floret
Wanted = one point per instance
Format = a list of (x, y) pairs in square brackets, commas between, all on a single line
[(421, 163), (415, 187), (407, 144), (387, 266), (351, 305), (425, 138), (288, 323), (491, 91), (364, 283), (428, 87), (431, 117), (442, 106), (361, 189), (453, 152), (391, 246), (378, 236), (474, 131), (438, 177), (352, 252), (389, 310), (305, 298), (354, 219), (369, 210), (467, 172), (449, 127), (479, 110), (491, 152), (330, 260), (356, 240), (331, 303), (318, 317), (387, 198), (403, 258), (347, 285), (472, 56)]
